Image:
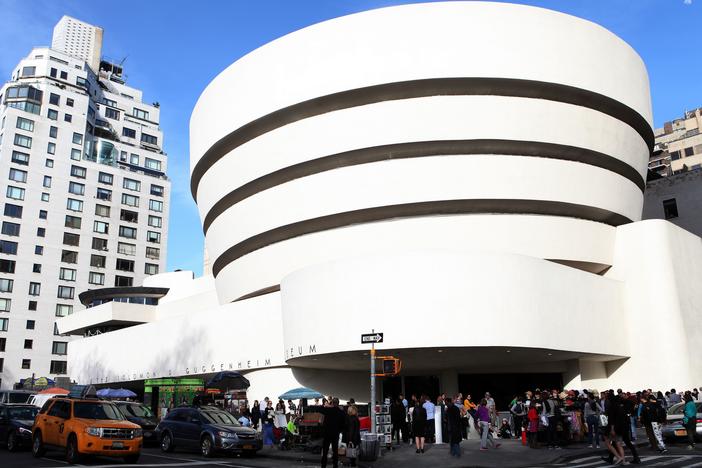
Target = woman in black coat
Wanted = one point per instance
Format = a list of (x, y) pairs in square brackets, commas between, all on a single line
[(454, 426), (419, 425), (352, 432)]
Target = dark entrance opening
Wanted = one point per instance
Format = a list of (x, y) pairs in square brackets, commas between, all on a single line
[(392, 387), (422, 385), (504, 387)]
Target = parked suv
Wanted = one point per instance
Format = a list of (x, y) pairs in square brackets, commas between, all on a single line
[(208, 429), (140, 414), (15, 396), (85, 426), (16, 425)]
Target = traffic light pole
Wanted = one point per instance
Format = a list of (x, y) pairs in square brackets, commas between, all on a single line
[(372, 387)]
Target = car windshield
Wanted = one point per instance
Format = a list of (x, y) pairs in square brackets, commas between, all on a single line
[(25, 413), (219, 417), (139, 411), (19, 397), (89, 410)]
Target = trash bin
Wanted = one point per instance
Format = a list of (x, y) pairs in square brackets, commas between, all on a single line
[(370, 447)]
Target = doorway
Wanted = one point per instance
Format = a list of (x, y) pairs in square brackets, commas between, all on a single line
[(504, 387)]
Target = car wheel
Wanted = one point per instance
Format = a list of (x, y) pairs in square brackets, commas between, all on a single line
[(131, 459), (38, 449), (11, 442), (206, 447), (167, 442), (72, 453)]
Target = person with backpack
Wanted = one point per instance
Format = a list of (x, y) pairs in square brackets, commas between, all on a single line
[(519, 412), (592, 411), (550, 419)]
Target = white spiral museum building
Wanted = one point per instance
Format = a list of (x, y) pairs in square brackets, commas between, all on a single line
[(465, 177)]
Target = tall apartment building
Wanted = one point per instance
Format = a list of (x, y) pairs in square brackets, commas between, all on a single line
[(83, 193), (78, 39), (678, 145)]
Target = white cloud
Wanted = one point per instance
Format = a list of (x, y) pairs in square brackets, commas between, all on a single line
[(687, 2)]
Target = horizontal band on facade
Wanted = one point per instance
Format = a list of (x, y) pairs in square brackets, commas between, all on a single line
[(260, 292), (414, 89), (407, 210), (423, 149)]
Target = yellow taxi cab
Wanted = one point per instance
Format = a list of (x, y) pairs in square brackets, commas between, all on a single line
[(85, 426)]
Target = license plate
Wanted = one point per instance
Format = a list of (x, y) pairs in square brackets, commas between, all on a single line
[(681, 432), (248, 447), (118, 445)]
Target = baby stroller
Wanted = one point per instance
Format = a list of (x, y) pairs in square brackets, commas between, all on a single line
[(290, 436)]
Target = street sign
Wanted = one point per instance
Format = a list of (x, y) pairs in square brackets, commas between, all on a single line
[(371, 338)]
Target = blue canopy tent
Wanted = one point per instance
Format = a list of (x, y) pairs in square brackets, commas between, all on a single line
[(115, 393), (300, 393)]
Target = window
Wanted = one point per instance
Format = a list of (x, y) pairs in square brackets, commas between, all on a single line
[(28, 71), (58, 367), (670, 208), (77, 138), (26, 363), (52, 114), (71, 239), (10, 229), (111, 113), (149, 139), (65, 292), (69, 102), (51, 148), (25, 124), (125, 265), (123, 281), (150, 269), (72, 222), (126, 249), (18, 175), (75, 154), (32, 305), (76, 188), (47, 181), (23, 140), (97, 261), (104, 194), (68, 117), (64, 75), (13, 211), (157, 190), (16, 193), (130, 200), (689, 152), (49, 163), (128, 132), (140, 114), (74, 205), (28, 344), (96, 278), (128, 232), (6, 285), (109, 102), (67, 274), (99, 244), (8, 247), (53, 132), (7, 266), (675, 155), (3, 325), (63, 310), (77, 171), (45, 197), (43, 214), (105, 178), (153, 164), (131, 184), (153, 253), (101, 227), (129, 216), (54, 99), (34, 289), (30, 325), (39, 250), (36, 268), (155, 221), (41, 232), (152, 236), (102, 210), (68, 256), (5, 305), (20, 158), (134, 159), (53, 72), (59, 347)]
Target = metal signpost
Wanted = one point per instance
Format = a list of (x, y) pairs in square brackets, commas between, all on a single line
[(372, 338)]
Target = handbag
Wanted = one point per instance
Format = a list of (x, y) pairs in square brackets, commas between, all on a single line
[(604, 420), (544, 420), (351, 451)]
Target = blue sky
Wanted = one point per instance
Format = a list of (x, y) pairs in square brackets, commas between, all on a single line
[(174, 48)]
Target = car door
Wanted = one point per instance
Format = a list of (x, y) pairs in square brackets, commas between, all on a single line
[(53, 422), (175, 419), (191, 428), (4, 424)]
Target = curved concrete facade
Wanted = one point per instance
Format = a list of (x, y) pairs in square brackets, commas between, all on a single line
[(454, 162)]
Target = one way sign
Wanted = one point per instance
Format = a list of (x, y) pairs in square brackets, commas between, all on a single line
[(371, 338)]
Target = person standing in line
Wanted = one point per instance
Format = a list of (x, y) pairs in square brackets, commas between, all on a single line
[(454, 426), (657, 416), (483, 414), (674, 397), (352, 432), (267, 420), (519, 412), (397, 419), (430, 410), (255, 414), (404, 401), (532, 426), (280, 420), (332, 427), (492, 409), (419, 424), (549, 412), (690, 419), (262, 407), (592, 411)]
